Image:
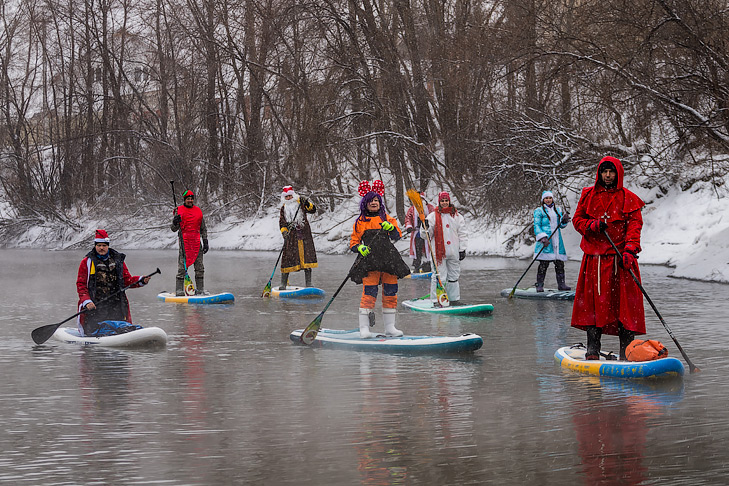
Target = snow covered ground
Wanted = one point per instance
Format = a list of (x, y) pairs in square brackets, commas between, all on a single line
[(687, 230)]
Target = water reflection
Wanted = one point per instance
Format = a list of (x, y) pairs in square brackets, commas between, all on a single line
[(612, 426), (104, 380)]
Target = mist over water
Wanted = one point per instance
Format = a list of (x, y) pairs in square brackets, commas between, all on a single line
[(231, 400)]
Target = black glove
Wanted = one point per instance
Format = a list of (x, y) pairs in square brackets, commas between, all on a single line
[(177, 220), (205, 246), (565, 219), (425, 223), (461, 254), (408, 230)]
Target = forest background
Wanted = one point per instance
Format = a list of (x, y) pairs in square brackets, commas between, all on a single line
[(103, 103)]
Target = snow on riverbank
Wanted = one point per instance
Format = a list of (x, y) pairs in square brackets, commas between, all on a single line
[(687, 230)]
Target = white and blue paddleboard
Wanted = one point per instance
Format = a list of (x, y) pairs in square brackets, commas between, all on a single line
[(340, 339), (140, 338), (573, 358), (427, 305), (293, 292), (548, 294), (221, 298)]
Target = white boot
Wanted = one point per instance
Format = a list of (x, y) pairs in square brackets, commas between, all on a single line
[(364, 323), (388, 315)]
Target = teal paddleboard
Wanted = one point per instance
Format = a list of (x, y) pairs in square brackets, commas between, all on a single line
[(426, 305)]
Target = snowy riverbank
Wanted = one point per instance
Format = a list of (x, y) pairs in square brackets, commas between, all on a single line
[(687, 230)]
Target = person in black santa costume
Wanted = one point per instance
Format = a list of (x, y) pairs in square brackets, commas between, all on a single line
[(299, 252)]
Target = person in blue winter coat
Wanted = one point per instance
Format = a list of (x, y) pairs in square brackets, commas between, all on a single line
[(548, 218)]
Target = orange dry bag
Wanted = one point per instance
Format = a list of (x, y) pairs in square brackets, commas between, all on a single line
[(645, 350)]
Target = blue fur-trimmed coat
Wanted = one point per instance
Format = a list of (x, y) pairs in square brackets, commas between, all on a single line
[(543, 228)]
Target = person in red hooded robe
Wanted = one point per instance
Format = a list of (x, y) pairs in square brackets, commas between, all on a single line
[(607, 300), (188, 219)]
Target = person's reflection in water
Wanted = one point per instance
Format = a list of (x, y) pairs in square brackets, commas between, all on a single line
[(104, 377), (611, 432), (196, 407), (378, 446)]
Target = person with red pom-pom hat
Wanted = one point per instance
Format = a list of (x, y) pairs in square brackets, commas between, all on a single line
[(101, 275)]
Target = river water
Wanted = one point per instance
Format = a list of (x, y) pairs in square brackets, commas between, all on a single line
[(231, 400)]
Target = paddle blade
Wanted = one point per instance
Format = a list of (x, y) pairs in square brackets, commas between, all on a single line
[(417, 202), (309, 334), (44, 333), (441, 295), (189, 286), (267, 290)]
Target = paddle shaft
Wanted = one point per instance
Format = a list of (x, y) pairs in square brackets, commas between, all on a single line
[(280, 253), (43, 333), (692, 367), (511, 294)]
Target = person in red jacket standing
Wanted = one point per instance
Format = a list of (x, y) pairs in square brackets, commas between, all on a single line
[(101, 276), (188, 218), (607, 300)]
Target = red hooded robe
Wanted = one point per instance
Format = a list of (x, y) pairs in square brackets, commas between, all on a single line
[(190, 226), (606, 294)]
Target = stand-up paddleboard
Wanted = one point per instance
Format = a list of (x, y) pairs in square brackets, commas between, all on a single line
[(420, 276), (573, 358), (548, 294), (426, 305), (293, 292), (339, 339), (140, 338), (221, 298)]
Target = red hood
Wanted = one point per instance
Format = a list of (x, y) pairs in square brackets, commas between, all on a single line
[(618, 168)]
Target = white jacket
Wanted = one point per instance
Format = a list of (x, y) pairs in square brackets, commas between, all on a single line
[(455, 236)]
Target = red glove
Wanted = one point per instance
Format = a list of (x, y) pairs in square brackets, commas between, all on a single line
[(629, 260)]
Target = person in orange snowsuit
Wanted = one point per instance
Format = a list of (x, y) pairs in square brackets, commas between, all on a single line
[(378, 261)]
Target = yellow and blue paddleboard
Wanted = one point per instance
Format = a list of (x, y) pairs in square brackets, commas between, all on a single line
[(573, 358), (221, 298)]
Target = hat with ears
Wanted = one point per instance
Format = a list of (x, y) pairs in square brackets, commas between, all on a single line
[(101, 236), (377, 187)]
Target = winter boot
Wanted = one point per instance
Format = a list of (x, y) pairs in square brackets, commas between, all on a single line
[(284, 281), (388, 315), (180, 287), (307, 276), (626, 337), (593, 343), (425, 268), (200, 286), (559, 271), (364, 323), (416, 266), (541, 273)]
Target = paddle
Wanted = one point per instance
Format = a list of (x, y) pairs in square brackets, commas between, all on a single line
[(43, 333), (511, 294), (187, 282), (267, 289), (440, 292), (309, 335), (692, 367)]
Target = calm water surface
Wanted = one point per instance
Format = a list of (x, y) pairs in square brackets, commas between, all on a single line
[(232, 401)]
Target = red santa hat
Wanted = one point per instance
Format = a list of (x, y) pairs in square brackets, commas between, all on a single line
[(187, 194), (101, 236), (287, 190)]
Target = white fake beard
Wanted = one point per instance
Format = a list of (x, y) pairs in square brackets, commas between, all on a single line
[(291, 206)]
